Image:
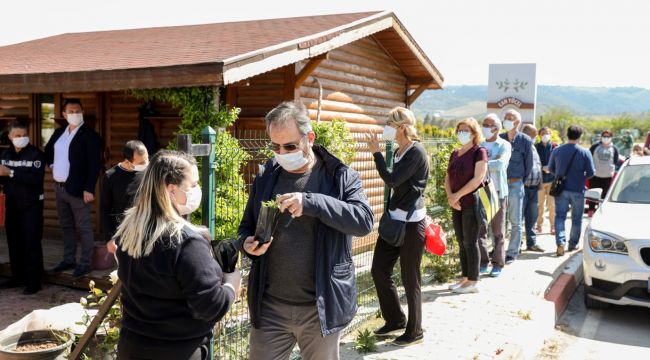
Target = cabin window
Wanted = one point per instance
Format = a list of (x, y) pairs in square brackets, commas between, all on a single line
[(46, 117)]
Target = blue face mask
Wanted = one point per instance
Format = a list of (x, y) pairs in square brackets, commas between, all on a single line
[(464, 137)]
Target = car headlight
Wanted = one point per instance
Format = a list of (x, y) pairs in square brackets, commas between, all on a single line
[(602, 242)]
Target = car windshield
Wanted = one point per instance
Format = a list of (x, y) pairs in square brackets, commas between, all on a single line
[(632, 185)]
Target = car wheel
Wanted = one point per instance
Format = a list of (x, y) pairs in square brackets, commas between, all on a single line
[(594, 304)]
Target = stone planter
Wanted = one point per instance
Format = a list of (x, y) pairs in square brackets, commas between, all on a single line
[(60, 352)]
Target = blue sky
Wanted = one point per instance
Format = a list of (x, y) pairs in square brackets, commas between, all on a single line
[(573, 42)]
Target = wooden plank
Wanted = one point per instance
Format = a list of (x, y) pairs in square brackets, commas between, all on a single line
[(348, 67), (312, 93), (306, 71), (361, 90), (351, 78), (416, 93)]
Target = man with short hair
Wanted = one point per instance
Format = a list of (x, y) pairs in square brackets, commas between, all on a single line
[(576, 165), (531, 188), (544, 148), (74, 153), (22, 171), (519, 168), (498, 159), (302, 283), (118, 186)]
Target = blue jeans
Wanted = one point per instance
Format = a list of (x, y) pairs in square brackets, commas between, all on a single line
[(515, 209), (530, 214), (562, 202)]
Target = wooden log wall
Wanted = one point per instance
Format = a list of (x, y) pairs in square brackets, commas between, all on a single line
[(361, 84)]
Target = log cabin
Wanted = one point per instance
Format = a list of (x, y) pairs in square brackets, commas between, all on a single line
[(359, 65)]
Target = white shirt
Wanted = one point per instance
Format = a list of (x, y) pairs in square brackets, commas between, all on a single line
[(61, 166)]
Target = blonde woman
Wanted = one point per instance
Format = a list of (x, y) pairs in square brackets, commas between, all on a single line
[(465, 174), (407, 181), (173, 291)]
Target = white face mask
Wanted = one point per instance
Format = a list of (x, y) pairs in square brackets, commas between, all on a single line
[(291, 161), (389, 133), (546, 138), (487, 133), (192, 201), (20, 142), (607, 140), (139, 167), (508, 125), (75, 119), (464, 137)]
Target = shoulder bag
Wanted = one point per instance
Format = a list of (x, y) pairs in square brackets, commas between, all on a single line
[(557, 186)]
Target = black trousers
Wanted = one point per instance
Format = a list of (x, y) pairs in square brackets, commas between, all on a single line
[(135, 347), (599, 183), (467, 223), (410, 258), (24, 234)]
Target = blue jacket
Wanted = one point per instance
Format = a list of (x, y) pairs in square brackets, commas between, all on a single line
[(343, 211), (544, 152), (521, 158)]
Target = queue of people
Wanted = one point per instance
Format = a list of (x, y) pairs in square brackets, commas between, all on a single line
[(302, 285)]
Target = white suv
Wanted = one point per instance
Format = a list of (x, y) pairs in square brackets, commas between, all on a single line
[(616, 254)]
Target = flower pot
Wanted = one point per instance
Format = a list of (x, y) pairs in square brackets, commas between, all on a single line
[(61, 351), (102, 259)]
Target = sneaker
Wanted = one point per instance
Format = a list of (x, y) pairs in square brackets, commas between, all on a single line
[(535, 248), (388, 330), (560, 250), (509, 260), (496, 271), (466, 289), (63, 266), (80, 271), (483, 270), (453, 286), (573, 247), (404, 340)]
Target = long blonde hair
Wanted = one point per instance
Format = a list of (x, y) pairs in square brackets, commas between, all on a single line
[(403, 116), (153, 214)]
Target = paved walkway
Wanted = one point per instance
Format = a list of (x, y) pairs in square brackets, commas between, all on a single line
[(508, 318)]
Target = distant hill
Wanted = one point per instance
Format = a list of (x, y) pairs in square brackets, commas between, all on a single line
[(469, 100)]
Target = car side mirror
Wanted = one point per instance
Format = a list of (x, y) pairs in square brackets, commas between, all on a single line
[(594, 194)]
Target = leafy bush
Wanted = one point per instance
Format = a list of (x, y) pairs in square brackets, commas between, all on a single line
[(335, 136), (365, 341)]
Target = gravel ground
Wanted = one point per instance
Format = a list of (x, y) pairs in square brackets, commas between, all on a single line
[(14, 305)]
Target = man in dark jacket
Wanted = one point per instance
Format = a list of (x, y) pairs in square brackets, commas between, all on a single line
[(21, 173), (74, 153), (302, 284)]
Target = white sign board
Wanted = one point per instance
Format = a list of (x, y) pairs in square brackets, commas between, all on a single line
[(512, 86)]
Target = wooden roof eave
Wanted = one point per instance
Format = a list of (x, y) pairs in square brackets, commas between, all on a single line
[(207, 74)]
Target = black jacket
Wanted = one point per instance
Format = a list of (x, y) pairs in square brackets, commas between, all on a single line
[(176, 292), (408, 179), (343, 212), (85, 155), (117, 191), (26, 187)]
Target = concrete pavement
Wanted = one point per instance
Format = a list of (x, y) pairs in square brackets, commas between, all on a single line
[(508, 319)]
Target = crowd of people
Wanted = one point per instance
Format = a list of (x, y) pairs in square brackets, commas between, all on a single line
[(302, 285)]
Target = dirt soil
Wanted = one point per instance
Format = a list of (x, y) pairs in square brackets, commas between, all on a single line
[(42, 345), (14, 305)]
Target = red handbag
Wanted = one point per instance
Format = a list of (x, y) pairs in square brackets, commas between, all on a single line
[(436, 241)]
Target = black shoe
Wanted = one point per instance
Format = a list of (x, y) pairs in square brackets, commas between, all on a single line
[(573, 247), (535, 248), (404, 340), (80, 271), (387, 330), (30, 290), (509, 260), (10, 284), (63, 266)]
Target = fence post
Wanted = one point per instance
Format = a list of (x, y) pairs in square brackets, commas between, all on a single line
[(208, 136), (389, 163)]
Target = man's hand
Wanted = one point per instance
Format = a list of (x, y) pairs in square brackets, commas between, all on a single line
[(4, 171), (291, 202), (111, 247), (88, 197), (373, 142), (233, 279), (252, 246)]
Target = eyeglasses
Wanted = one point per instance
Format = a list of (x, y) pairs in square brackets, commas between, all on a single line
[(287, 147)]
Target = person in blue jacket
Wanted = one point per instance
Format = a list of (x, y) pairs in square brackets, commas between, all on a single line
[(302, 286)]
